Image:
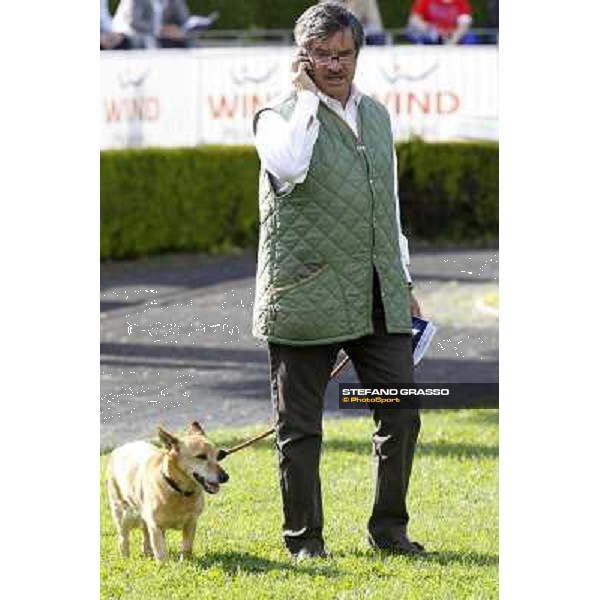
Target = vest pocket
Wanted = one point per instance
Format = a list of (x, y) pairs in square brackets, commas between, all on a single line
[(303, 275), (311, 309)]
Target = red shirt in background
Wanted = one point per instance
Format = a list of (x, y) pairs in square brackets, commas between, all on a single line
[(443, 15)]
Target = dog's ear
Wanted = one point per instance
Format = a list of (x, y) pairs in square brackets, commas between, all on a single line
[(168, 440), (195, 427)]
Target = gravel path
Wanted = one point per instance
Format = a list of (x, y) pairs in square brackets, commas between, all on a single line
[(176, 343)]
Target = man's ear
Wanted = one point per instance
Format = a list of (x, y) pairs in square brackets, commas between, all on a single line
[(170, 442), (196, 428)]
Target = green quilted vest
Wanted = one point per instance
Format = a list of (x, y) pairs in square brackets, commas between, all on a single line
[(318, 244)]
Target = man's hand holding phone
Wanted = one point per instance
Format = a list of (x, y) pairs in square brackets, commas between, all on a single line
[(302, 69)]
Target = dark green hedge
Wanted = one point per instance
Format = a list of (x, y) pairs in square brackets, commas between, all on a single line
[(205, 198), (281, 14), (449, 192), (154, 200)]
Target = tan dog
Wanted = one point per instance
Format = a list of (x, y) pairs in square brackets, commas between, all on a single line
[(158, 489)]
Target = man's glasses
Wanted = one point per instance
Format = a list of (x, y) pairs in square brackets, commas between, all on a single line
[(322, 59)]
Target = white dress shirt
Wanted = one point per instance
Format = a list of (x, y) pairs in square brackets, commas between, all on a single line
[(285, 147)]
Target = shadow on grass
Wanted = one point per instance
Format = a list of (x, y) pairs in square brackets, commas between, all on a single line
[(363, 447), (440, 558), (235, 562), (457, 450), (440, 449), (482, 416), (465, 558), (487, 417)]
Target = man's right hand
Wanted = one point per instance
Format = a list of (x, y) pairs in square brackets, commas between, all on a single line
[(110, 39), (301, 66)]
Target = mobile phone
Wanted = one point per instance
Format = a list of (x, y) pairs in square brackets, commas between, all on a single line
[(310, 70)]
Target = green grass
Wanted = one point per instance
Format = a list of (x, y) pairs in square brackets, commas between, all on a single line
[(238, 552)]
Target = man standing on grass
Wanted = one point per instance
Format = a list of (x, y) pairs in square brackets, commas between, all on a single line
[(332, 274)]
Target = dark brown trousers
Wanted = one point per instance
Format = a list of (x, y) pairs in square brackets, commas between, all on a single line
[(299, 377)]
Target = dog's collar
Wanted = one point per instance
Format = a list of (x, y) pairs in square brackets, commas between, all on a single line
[(174, 485)]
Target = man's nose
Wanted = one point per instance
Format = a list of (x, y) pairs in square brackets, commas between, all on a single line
[(335, 64)]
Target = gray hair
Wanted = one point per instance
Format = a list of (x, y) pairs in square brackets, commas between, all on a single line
[(322, 20)]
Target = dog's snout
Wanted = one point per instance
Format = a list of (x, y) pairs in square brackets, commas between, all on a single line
[(223, 477)]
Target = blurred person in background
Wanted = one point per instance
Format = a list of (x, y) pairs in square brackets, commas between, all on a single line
[(367, 12), (332, 274), (159, 23), (441, 22), (109, 39), (493, 18)]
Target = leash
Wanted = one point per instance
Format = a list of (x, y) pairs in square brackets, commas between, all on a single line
[(222, 453)]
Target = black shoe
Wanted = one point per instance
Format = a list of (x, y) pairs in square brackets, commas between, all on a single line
[(401, 546)]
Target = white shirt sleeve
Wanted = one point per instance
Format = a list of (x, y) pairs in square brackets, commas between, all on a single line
[(285, 147), (402, 241)]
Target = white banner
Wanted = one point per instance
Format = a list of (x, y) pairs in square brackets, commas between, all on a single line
[(436, 93), (148, 99), (209, 95), (235, 83)]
